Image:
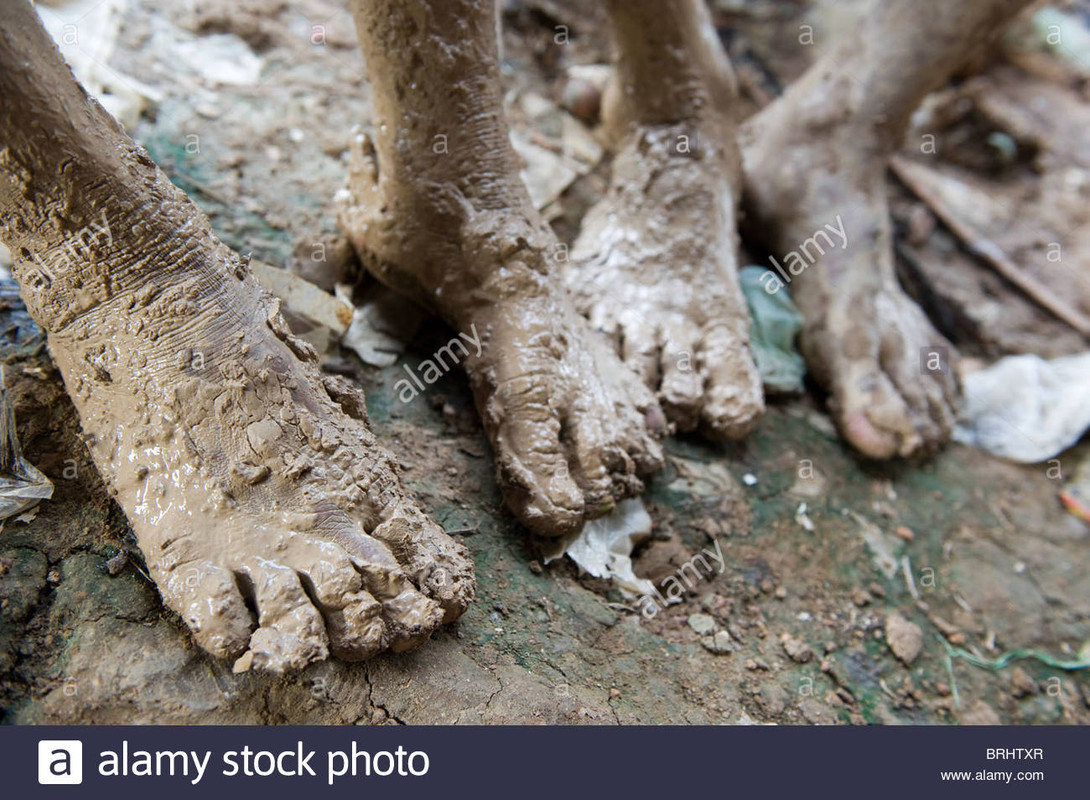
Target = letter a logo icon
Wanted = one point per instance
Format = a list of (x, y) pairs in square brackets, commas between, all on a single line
[(60, 761)]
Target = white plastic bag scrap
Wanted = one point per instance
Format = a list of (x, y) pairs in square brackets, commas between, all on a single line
[(86, 32), (1025, 408), (604, 547), (22, 485), (382, 326)]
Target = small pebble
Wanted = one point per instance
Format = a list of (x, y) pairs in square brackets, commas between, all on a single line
[(244, 662), (905, 533), (797, 649), (702, 624), (921, 224), (905, 639), (749, 479), (115, 564), (720, 644), (1022, 684)]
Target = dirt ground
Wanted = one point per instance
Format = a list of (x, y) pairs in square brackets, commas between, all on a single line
[(835, 571)]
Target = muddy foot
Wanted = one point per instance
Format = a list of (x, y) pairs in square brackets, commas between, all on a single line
[(268, 515), (891, 376), (572, 428), (270, 518), (655, 269)]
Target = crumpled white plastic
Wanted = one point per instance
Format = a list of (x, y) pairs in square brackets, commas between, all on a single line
[(604, 547), (22, 485), (1025, 408)]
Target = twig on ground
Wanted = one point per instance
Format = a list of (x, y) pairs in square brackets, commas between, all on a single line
[(990, 253)]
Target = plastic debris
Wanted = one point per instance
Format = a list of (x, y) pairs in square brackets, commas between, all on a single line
[(98, 23), (221, 59), (5, 262), (22, 485), (1025, 408), (604, 547), (774, 324), (1075, 496), (382, 326), (1073, 46), (555, 148)]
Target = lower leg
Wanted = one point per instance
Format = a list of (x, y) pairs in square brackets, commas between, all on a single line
[(669, 63), (655, 266), (815, 161), (249, 478), (877, 74), (437, 210)]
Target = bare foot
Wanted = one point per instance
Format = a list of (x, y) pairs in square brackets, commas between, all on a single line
[(891, 376), (815, 167), (656, 263), (254, 487), (436, 209), (572, 428), (655, 268), (270, 518)]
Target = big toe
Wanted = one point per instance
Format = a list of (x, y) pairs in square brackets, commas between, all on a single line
[(208, 599), (872, 415), (532, 464)]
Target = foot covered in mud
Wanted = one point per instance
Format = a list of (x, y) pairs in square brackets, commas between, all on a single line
[(820, 206), (655, 269), (268, 515), (270, 518), (573, 430)]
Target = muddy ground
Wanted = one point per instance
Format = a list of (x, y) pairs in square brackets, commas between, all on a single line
[(827, 559)]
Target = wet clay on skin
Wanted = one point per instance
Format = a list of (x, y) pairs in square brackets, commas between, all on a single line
[(817, 156), (249, 478), (436, 209), (656, 266)]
